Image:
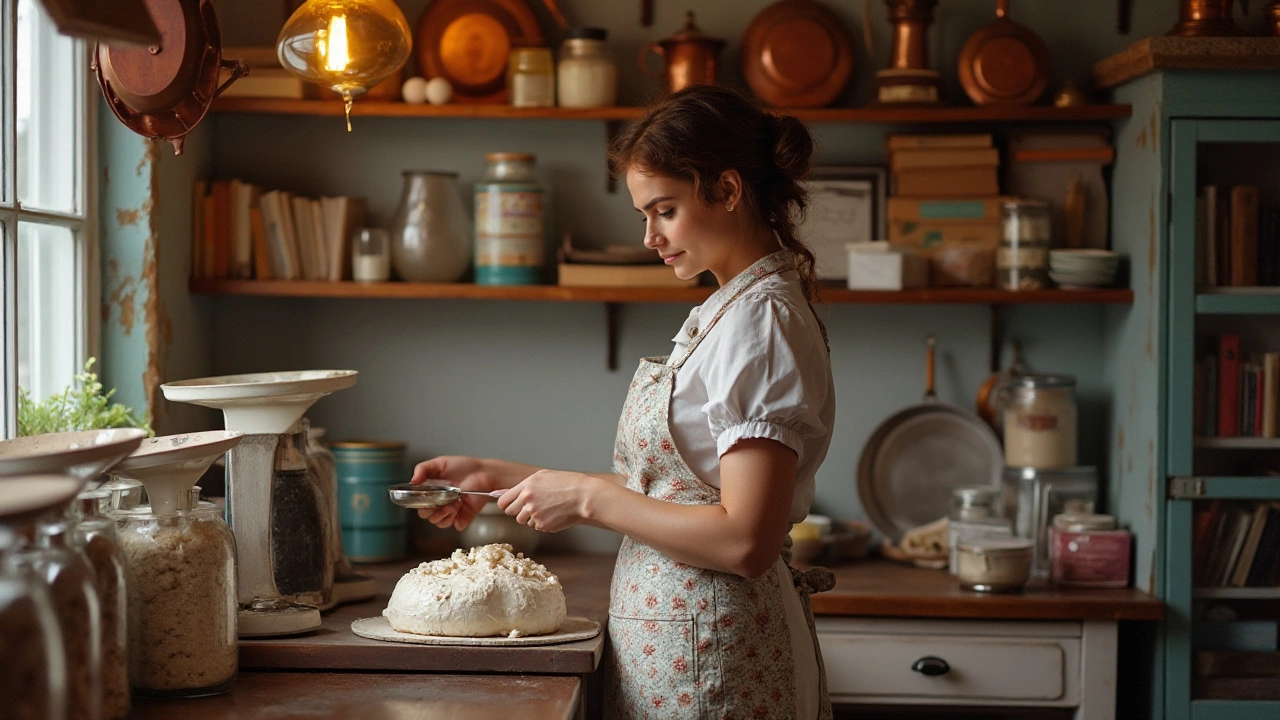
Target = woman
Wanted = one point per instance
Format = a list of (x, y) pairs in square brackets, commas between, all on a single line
[(718, 443)]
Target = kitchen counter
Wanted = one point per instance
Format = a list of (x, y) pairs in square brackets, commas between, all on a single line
[(584, 576), (881, 588), (384, 697)]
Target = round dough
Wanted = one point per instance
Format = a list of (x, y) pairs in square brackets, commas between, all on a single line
[(486, 591)]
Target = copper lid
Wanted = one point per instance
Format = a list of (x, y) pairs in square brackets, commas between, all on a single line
[(691, 33)]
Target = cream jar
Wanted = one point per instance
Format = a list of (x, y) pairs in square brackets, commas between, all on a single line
[(1040, 420), (993, 564)]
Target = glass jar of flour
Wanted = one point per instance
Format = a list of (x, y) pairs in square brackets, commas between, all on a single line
[(586, 74), (510, 221), (1040, 422)]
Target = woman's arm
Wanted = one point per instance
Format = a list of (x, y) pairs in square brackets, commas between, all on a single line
[(741, 535)]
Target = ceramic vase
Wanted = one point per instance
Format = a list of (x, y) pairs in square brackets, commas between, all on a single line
[(431, 232)]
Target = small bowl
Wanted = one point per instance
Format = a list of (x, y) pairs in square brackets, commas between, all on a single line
[(994, 564)]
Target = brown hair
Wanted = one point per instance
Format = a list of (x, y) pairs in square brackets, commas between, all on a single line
[(702, 131)]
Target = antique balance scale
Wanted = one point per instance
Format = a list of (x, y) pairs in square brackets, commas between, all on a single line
[(263, 481)]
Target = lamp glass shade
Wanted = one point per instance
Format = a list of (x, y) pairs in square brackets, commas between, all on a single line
[(347, 46)]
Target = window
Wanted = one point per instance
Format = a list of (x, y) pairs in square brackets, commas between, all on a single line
[(46, 208)]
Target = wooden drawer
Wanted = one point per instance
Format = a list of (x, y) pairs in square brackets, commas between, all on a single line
[(989, 663)]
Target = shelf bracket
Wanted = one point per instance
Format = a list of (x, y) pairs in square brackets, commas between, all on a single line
[(1186, 487), (611, 130), (611, 311)]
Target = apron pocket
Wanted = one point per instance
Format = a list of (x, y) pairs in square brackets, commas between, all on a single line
[(655, 668)]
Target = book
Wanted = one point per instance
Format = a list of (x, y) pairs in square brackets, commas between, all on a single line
[(1240, 573), (1243, 236), (242, 199), (1228, 385), (903, 142), (593, 275), (943, 158), (955, 182), (266, 83)]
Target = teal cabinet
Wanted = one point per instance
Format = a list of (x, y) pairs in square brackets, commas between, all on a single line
[(1187, 481)]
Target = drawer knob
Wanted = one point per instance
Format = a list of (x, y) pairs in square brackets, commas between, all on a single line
[(931, 666)]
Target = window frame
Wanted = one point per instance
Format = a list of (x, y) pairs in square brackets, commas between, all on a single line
[(83, 222)]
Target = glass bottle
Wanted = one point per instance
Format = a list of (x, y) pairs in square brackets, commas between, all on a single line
[(586, 74), (370, 255), (531, 79), (33, 671), (1040, 419), (430, 233), (510, 221), (325, 468), (66, 573), (182, 597), (299, 524), (1022, 260), (96, 536)]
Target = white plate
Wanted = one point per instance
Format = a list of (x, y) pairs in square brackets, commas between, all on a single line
[(571, 630)]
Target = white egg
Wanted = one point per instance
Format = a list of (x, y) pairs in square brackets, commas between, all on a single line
[(414, 90), (439, 91)]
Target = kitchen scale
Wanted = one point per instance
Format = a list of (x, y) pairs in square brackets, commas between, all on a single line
[(82, 454), (263, 406)]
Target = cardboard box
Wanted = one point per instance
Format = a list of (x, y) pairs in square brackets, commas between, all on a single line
[(928, 224), (592, 275), (879, 266)]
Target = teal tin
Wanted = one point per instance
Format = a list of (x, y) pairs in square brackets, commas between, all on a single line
[(373, 528)]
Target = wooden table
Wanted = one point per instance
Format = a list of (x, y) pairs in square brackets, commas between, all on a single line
[(316, 696), (585, 578)]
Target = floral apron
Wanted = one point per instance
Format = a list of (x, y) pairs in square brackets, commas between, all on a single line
[(686, 642)]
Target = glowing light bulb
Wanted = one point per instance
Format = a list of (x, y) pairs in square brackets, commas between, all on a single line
[(347, 46)]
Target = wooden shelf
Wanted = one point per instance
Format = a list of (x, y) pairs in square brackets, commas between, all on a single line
[(1238, 443), (467, 291), (884, 115), (1238, 301)]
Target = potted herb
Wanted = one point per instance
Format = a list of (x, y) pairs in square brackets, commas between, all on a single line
[(82, 406)]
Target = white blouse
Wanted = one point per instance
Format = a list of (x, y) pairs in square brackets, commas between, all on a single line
[(762, 372)]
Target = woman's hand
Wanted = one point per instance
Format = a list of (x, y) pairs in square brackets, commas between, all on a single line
[(460, 471), (549, 500)]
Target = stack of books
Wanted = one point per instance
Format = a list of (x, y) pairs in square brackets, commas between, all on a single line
[(267, 78), (241, 231), (1237, 237), (618, 266), (943, 166)]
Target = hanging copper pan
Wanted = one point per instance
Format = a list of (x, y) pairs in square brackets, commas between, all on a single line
[(1004, 62), (797, 53), (163, 91)]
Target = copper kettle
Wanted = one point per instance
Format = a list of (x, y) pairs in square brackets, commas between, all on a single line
[(1207, 18), (689, 57)]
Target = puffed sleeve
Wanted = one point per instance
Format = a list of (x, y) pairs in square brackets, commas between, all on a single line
[(767, 374)]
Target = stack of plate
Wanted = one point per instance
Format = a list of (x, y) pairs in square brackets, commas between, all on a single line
[(1083, 268)]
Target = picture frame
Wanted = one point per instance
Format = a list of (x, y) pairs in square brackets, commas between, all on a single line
[(846, 205)]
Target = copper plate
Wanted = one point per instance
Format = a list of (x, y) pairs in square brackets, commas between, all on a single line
[(164, 90), (797, 53), (467, 43), (1004, 62)]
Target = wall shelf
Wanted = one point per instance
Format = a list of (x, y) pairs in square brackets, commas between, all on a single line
[(1238, 443), (1238, 301), (885, 115), (468, 291)]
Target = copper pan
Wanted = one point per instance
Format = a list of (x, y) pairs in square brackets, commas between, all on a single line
[(1004, 62), (163, 91)]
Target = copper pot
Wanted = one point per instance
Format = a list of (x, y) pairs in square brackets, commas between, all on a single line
[(689, 57), (1207, 18), (1004, 62)]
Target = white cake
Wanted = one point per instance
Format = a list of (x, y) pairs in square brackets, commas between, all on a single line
[(486, 591)]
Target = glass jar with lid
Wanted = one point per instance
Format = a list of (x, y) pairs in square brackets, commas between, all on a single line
[(975, 512), (300, 535), (586, 74), (96, 535), (1088, 550), (34, 669), (1040, 422), (182, 599), (531, 78), (510, 221), (1022, 260)]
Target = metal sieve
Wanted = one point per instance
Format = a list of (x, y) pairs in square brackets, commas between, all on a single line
[(431, 496)]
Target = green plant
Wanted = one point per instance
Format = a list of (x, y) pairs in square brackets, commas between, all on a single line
[(82, 406)]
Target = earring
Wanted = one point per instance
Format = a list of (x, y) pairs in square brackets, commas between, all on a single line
[(728, 206)]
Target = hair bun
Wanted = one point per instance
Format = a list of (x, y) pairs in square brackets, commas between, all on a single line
[(792, 146)]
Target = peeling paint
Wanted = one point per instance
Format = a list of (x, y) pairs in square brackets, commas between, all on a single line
[(126, 217), (1151, 575), (1120, 437), (155, 317), (1155, 129), (122, 293)]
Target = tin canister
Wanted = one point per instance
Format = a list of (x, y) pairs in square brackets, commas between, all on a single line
[(510, 222), (373, 528)]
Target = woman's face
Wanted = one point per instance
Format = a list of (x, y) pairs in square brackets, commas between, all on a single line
[(690, 235)]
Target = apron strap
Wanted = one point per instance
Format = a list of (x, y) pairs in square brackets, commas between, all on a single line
[(780, 267)]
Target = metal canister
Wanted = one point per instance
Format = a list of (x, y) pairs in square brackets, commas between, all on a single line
[(373, 528), (510, 222)]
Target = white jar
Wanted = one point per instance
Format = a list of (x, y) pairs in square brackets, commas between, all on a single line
[(1040, 422), (586, 74)]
